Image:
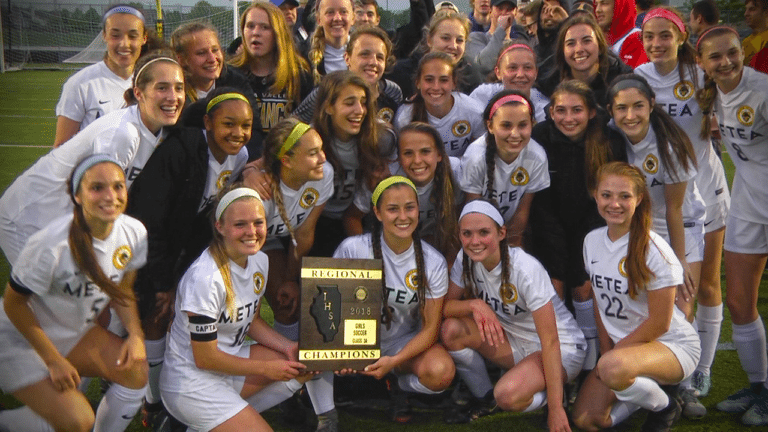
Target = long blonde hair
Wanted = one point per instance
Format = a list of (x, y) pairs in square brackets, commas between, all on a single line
[(317, 46)]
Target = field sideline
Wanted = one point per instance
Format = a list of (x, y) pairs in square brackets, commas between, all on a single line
[(27, 127)]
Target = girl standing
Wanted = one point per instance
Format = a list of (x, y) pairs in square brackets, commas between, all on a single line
[(501, 306), (65, 276), (455, 115), (505, 165), (644, 339)]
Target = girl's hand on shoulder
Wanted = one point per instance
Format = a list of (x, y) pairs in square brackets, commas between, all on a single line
[(381, 368), (259, 181), (132, 350), (283, 370), (63, 375), (487, 323)]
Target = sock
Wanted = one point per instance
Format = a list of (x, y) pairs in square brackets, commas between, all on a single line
[(320, 389), (644, 392), (621, 411), (117, 408), (539, 400), (686, 382), (709, 319), (290, 331), (23, 420), (273, 394), (585, 318), (411, 383), (155, 356), (750, 344), (471, 368)]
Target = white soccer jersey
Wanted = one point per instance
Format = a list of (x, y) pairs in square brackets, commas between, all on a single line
[(462, 125), (485, 92), (222, 174), (92, 93), (65, 301), (528, 173), (645, 155), (679, 101), (201, 291), (743, 117), (426, 206), (529, 289), (298, 205), (604, 260), (41, 191), (400, 274), (344, 182)]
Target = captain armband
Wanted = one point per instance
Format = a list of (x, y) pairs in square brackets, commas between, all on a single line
[(202, 328)]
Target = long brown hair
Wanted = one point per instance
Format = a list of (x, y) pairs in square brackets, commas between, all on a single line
[(638, 272), (419, 108), (686, 53), (317, 42), (467, 265), (143, 76), (707, 94), (180, 40), (602, 44)]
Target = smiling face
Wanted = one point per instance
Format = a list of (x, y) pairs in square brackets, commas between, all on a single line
[(722, 58), (604, 13), (203, 58), (570, 114), (102, 195), (581, 50), (258, 35), (419, 156), (449, 37), (307, 158), (243, 228), (162, 98), (435, 84), (398, 212), (517, 70), (480, 237), (616, 202), (661, 40), (336, 17), (511, 128), (124, 35), (368, 59), (348, 111), (228, 128), (631, 112)]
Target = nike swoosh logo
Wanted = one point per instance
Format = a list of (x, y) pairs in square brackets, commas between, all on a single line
[(127, 416), (593, 261), (103, 102), (155, 364), (707, 223)]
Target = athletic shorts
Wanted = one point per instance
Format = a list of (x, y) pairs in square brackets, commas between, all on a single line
[(572, 356), (694, 243), (745, 237), (203, 410), (717, 214), (21, 365), (688, 354)]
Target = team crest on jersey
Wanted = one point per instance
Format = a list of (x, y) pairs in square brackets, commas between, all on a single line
[(651, 164), (623, 267), (746, 115), (410, 279), (122, 257), (309, 198), (223, 179), (258, 283), (508, 293), (683, 90), (520, 177), (461, 128), (386, 114)]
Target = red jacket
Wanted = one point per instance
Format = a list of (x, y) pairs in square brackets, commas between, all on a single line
[(623, 36)]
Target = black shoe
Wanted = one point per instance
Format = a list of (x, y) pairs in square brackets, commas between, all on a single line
[(155, 417), (662, 421), (474, 410), (292, 410)]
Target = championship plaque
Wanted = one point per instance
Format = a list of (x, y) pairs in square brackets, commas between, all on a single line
[(340, 313)]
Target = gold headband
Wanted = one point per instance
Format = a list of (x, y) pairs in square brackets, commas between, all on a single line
[(298, 131), (387, 182), (222, 97)]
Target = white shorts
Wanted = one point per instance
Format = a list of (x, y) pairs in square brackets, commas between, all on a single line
[(717, 214), (571, 356), (688, 354), (745, 237), (203, 410), (694, 243)]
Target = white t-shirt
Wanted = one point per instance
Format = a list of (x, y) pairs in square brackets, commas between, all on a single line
[(604, 260), (645, 155), (485, 92), (400, 273), (91, 93), (528, 173), (333, 59), (462, 125), (344, 182), (743, 117), (222, 174), (201, 291), (678, 99), (66, 302), (529, 289), (298, 205), (41, 191)]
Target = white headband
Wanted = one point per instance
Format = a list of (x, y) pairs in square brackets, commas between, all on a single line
[(232, 196), (483, 207)]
